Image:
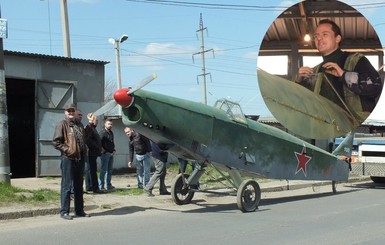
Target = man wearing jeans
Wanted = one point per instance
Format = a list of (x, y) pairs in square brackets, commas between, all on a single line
[(70, 139), (139, 145), (107, 157)]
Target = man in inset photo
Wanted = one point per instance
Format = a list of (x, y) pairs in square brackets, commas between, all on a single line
[(347, 79), (325, 83)]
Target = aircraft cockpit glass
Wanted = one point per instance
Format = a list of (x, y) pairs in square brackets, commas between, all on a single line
[(232, 109)]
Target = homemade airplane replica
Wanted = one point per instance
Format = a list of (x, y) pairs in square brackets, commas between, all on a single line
[(223, 137)]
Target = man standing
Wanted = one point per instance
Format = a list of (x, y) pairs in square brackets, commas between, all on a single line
[(139, 145), (350, 80), (94, 144), (107, 157), (79, 116), (70, 139), (159, 157)]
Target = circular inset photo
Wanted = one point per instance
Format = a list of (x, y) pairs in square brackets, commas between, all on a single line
[(324, 78)]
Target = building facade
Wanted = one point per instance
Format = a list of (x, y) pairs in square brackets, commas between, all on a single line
[(37, 88)]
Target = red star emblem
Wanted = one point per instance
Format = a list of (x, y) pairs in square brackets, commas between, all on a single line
[(303, 160)]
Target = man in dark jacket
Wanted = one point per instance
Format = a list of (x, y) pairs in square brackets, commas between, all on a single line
[(159, 156), (347, 79), (139, 145), (107, 157), (70, 139), (94, 144)]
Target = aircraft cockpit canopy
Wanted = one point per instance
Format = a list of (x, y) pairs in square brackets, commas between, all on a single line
[(232, 109)]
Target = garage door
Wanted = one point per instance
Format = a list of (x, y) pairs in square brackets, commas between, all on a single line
[(51, 98)]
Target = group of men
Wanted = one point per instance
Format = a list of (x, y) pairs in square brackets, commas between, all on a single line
[(79, 145), (142, 148)]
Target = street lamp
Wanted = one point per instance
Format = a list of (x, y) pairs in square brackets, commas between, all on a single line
[(116, 42)]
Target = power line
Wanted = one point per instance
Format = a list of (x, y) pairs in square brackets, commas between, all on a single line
[(241, 7), (213, 5), (188, 64), (167, 60), (372, 5)]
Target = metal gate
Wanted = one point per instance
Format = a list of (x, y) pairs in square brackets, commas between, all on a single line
[(51, 98)]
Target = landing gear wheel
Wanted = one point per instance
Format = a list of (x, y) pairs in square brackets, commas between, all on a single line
[(181, 194), (248, 196)]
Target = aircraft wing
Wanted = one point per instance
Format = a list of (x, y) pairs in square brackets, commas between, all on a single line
[(302, 111)]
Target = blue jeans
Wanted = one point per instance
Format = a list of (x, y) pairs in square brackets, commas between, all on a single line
[(107, 160), (71, 173), (183, 164), (143, 169), (87, 179)]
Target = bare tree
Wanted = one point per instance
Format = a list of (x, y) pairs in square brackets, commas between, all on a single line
[(109, 90)]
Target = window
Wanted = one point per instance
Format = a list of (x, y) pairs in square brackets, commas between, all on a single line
[(276, 65), (311, 61)]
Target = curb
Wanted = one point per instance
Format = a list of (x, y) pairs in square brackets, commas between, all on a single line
[(29, 213), (41, 211), (304, 184)]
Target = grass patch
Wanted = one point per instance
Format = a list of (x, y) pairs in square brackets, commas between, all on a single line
[(174, 168), (128, 192), (10, 194)]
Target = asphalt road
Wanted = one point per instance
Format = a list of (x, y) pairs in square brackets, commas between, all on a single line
[(307, 216)]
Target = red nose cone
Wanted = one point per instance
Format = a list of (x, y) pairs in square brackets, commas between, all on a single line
[(122, 98)]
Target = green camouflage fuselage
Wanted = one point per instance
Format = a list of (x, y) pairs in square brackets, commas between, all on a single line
[(205, 133)]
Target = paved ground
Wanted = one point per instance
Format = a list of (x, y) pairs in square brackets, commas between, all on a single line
[(108, 202)]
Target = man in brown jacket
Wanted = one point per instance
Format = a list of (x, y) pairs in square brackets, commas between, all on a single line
[(70, 139)]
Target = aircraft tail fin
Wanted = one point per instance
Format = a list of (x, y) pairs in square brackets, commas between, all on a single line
[(345, 148)]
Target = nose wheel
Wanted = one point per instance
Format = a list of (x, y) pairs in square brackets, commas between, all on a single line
[(248, 196)]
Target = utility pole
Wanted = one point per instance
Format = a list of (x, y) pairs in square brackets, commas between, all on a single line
[(202, 52), (116, 43), (65, 29), (5, 169)]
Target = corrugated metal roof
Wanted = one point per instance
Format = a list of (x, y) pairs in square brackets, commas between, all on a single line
[(268, 120), (24, 54), (292, 25)]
